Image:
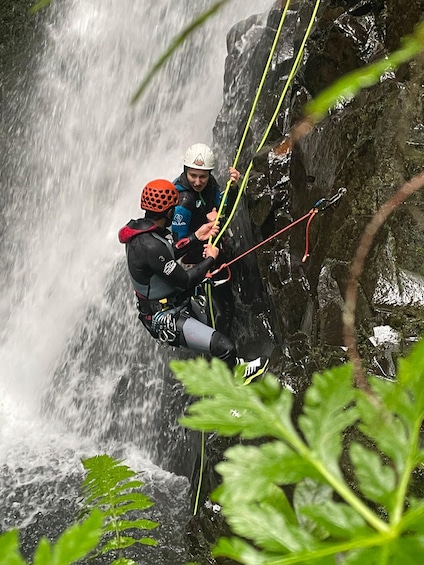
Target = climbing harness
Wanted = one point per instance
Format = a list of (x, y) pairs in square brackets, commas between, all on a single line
[(164, 322), (198, 304), (320, 206)]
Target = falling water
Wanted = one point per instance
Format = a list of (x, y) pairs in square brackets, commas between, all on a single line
[(78, 374)]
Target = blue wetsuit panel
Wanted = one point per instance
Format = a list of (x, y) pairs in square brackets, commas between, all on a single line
[(181, 222)]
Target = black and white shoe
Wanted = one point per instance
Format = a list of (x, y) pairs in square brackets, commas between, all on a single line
[(254, 369)]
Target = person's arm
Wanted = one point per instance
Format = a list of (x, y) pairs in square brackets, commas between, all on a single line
[(195, 239), (181, 222), (197, 273), (164, 264), (183, 215)]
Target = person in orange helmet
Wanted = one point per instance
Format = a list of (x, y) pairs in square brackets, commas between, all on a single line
[(164, 289)]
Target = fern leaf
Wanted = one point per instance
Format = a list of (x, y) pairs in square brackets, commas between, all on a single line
[(110, 486), (123, 525), (126, 541), (9, 549)]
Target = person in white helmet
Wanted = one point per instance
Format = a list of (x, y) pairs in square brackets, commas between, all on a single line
[(200, 194), (200, 198)]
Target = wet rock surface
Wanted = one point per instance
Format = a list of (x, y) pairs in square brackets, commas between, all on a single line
[(371, 146)]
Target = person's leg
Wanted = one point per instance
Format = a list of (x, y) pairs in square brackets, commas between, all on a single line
[(203, 339), (145, 315), (223, 348)]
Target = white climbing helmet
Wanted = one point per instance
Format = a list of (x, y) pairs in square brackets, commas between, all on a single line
[(199, 156)]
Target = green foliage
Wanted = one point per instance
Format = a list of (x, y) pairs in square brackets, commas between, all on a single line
[(110, 493), (39, 6), (111, 487), (74, 544), (9, 549), (368, 518)]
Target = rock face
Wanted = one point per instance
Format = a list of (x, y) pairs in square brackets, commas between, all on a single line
[(370, 145)]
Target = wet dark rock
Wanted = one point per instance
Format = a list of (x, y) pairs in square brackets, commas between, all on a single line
[(371, 145), (330, 303)]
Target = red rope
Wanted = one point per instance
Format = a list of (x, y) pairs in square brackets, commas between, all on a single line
[(309, 215), (306, 254)]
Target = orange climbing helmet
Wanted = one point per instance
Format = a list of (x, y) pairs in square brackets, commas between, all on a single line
[(159, 195)]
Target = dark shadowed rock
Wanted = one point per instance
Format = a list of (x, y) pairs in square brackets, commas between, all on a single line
[(370, 145)]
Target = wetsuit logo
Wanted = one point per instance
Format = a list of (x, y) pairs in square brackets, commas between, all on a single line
[(169, 267), (178, 220)]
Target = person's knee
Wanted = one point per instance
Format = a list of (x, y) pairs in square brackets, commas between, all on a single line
[(223, 348)]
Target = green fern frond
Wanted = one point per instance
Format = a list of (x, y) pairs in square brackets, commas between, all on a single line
[(367, 516), (110, 486)]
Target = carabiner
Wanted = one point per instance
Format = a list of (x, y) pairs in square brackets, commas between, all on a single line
[(208, 277), (325, 203)]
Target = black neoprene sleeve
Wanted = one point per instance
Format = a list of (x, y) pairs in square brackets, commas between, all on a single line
[(161, 262)]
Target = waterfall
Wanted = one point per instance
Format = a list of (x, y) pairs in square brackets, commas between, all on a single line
[(78, 374)]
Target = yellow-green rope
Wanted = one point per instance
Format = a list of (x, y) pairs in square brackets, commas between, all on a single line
[(202, 464), (252, 111), (274, 117), (246, 176), (246, 129)]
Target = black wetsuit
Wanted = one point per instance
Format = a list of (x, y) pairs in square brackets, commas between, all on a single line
[(164, 289), (189, 215)]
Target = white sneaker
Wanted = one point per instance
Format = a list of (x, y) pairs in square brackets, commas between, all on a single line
[(254, 368)]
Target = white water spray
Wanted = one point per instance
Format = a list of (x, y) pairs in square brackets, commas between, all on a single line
[(75, 177)]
